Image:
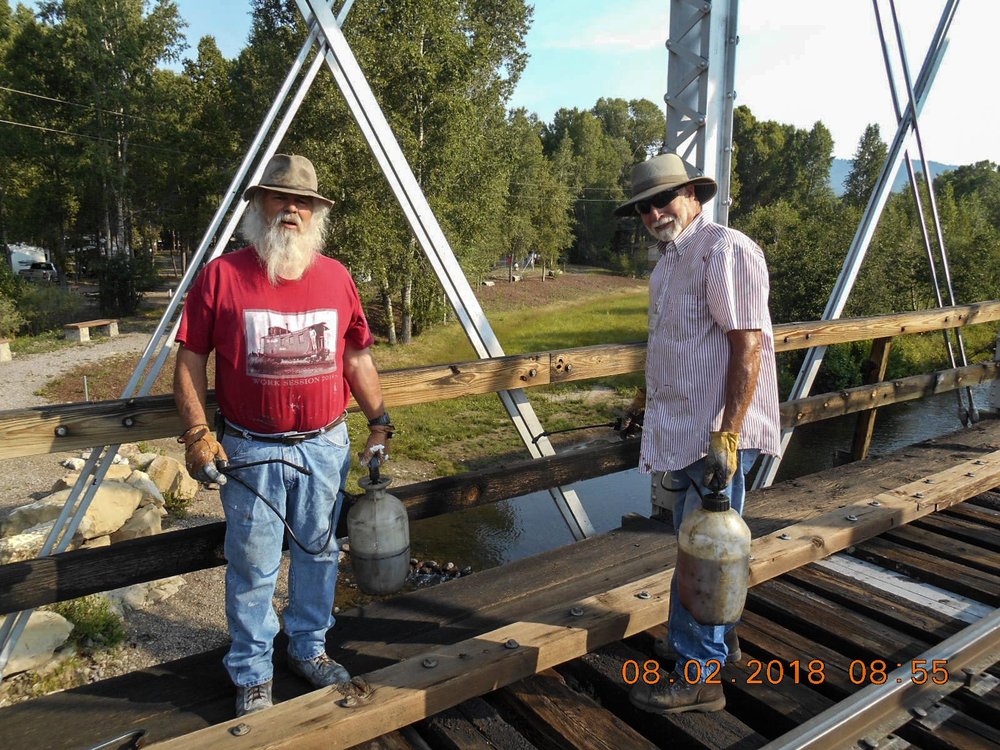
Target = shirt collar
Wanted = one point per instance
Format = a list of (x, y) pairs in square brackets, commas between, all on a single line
[(684, 238)]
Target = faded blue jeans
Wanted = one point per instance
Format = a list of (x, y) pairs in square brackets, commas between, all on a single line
[(254, 536), (691, 640)]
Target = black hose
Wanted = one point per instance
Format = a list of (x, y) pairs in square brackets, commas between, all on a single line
[(228, 470)]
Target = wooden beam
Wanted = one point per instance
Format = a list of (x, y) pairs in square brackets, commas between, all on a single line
[(32, 583), (791, 336), (64, 427), (409, 691), (874, 371), (852, 400)]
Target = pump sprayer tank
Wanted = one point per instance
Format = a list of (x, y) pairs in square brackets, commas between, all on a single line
[(379, 531), (713, 562)]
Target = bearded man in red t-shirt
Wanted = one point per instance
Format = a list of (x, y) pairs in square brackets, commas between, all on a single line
[(291, 345)]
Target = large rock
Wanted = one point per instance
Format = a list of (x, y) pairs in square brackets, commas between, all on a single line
[(24, 545), (143, 460), (44, 633), (150, 492), (143, 595), (144, 522), (113, 504), (164, 471), (26, 516)]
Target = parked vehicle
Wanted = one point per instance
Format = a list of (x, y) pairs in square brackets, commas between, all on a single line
[(40, 271)]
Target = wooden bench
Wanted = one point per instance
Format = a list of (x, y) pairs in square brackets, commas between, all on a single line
[(81, 331), (5, 355)]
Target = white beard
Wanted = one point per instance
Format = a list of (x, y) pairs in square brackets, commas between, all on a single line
[(666, 232), (285, 253)]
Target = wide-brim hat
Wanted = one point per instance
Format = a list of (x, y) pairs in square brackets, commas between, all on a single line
[(289, 173), (664, 172)]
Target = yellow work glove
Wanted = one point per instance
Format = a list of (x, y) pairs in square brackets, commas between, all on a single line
[(201, 451), (379, 436), (721, 461), (634, 415)]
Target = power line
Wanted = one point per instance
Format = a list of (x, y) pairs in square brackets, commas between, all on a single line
[(78, 104), (131, 144)]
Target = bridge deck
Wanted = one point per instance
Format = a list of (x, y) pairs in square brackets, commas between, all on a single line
[(857, 622)]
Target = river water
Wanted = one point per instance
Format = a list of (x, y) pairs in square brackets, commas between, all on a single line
[(512, 529)]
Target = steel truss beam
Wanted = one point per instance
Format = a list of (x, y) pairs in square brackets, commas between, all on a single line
[(701, 69), (368, 114), (866, 229)]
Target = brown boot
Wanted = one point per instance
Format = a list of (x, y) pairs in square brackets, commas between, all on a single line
[(673, 695), (665, 651)]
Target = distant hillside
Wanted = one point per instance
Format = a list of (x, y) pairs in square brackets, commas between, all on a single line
[(842, 167)]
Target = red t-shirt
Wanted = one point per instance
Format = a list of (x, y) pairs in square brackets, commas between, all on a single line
[(279, 350)]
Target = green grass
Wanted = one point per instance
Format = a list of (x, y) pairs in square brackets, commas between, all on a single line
[(49, 341), (458, 434)]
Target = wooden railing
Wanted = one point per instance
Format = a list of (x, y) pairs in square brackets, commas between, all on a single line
[(63, 427), (71, 426)]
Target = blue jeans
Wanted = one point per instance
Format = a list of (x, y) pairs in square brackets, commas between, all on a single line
[(254, 534), (691, 640)]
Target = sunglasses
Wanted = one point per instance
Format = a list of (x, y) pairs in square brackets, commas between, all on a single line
[(660, 200)]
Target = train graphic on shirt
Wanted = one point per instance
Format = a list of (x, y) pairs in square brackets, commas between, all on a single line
[(301, 346)]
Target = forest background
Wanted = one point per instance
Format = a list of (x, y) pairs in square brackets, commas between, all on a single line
[(111, 158)]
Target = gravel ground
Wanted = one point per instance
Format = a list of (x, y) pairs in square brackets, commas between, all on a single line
[(191, 621)]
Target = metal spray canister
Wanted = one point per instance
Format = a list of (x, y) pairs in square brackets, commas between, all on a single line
[(380, 538), (713, 562)]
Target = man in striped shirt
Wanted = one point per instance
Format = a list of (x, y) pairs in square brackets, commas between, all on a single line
[(711, 398)]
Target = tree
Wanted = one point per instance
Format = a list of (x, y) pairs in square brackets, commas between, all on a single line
[(539, 204), (105, 55), (869, 159)]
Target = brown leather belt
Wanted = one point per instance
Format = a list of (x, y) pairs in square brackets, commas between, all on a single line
[(284, 438)]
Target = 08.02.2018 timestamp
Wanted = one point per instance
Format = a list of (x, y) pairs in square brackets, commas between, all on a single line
[(812, 672)]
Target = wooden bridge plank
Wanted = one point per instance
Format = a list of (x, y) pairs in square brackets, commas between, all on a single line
[(554, 716), (880, 605), (983, 515), (965, 530), (601, 671), (976, 585), (474, 725), (946, 548)]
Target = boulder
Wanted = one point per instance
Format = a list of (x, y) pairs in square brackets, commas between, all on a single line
[(32, 514), (74, 464), (143, 595), (186, 487), (150, 492), (144, 522), (24, 545), (98, 541), (67, 481), (127, 450), (44, 633), (143, 460), (164, 472), (113, 504)]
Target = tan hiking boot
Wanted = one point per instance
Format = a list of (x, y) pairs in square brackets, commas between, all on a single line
[(673, 695)]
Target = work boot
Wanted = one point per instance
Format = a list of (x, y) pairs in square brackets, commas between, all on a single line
[(665, 650), (253, 698), (673, 695), (320, 671)]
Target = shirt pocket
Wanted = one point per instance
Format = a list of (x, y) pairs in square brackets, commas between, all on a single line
[(685, 316)]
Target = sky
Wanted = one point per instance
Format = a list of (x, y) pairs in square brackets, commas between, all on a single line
[(797, 62)]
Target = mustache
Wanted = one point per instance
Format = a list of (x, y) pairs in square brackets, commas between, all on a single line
[(289, 217)]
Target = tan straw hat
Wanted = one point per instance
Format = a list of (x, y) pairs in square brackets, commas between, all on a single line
[(664, 172), (288, 173)]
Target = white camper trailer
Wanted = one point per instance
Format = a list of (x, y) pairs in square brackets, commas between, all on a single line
[(22, 256)]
